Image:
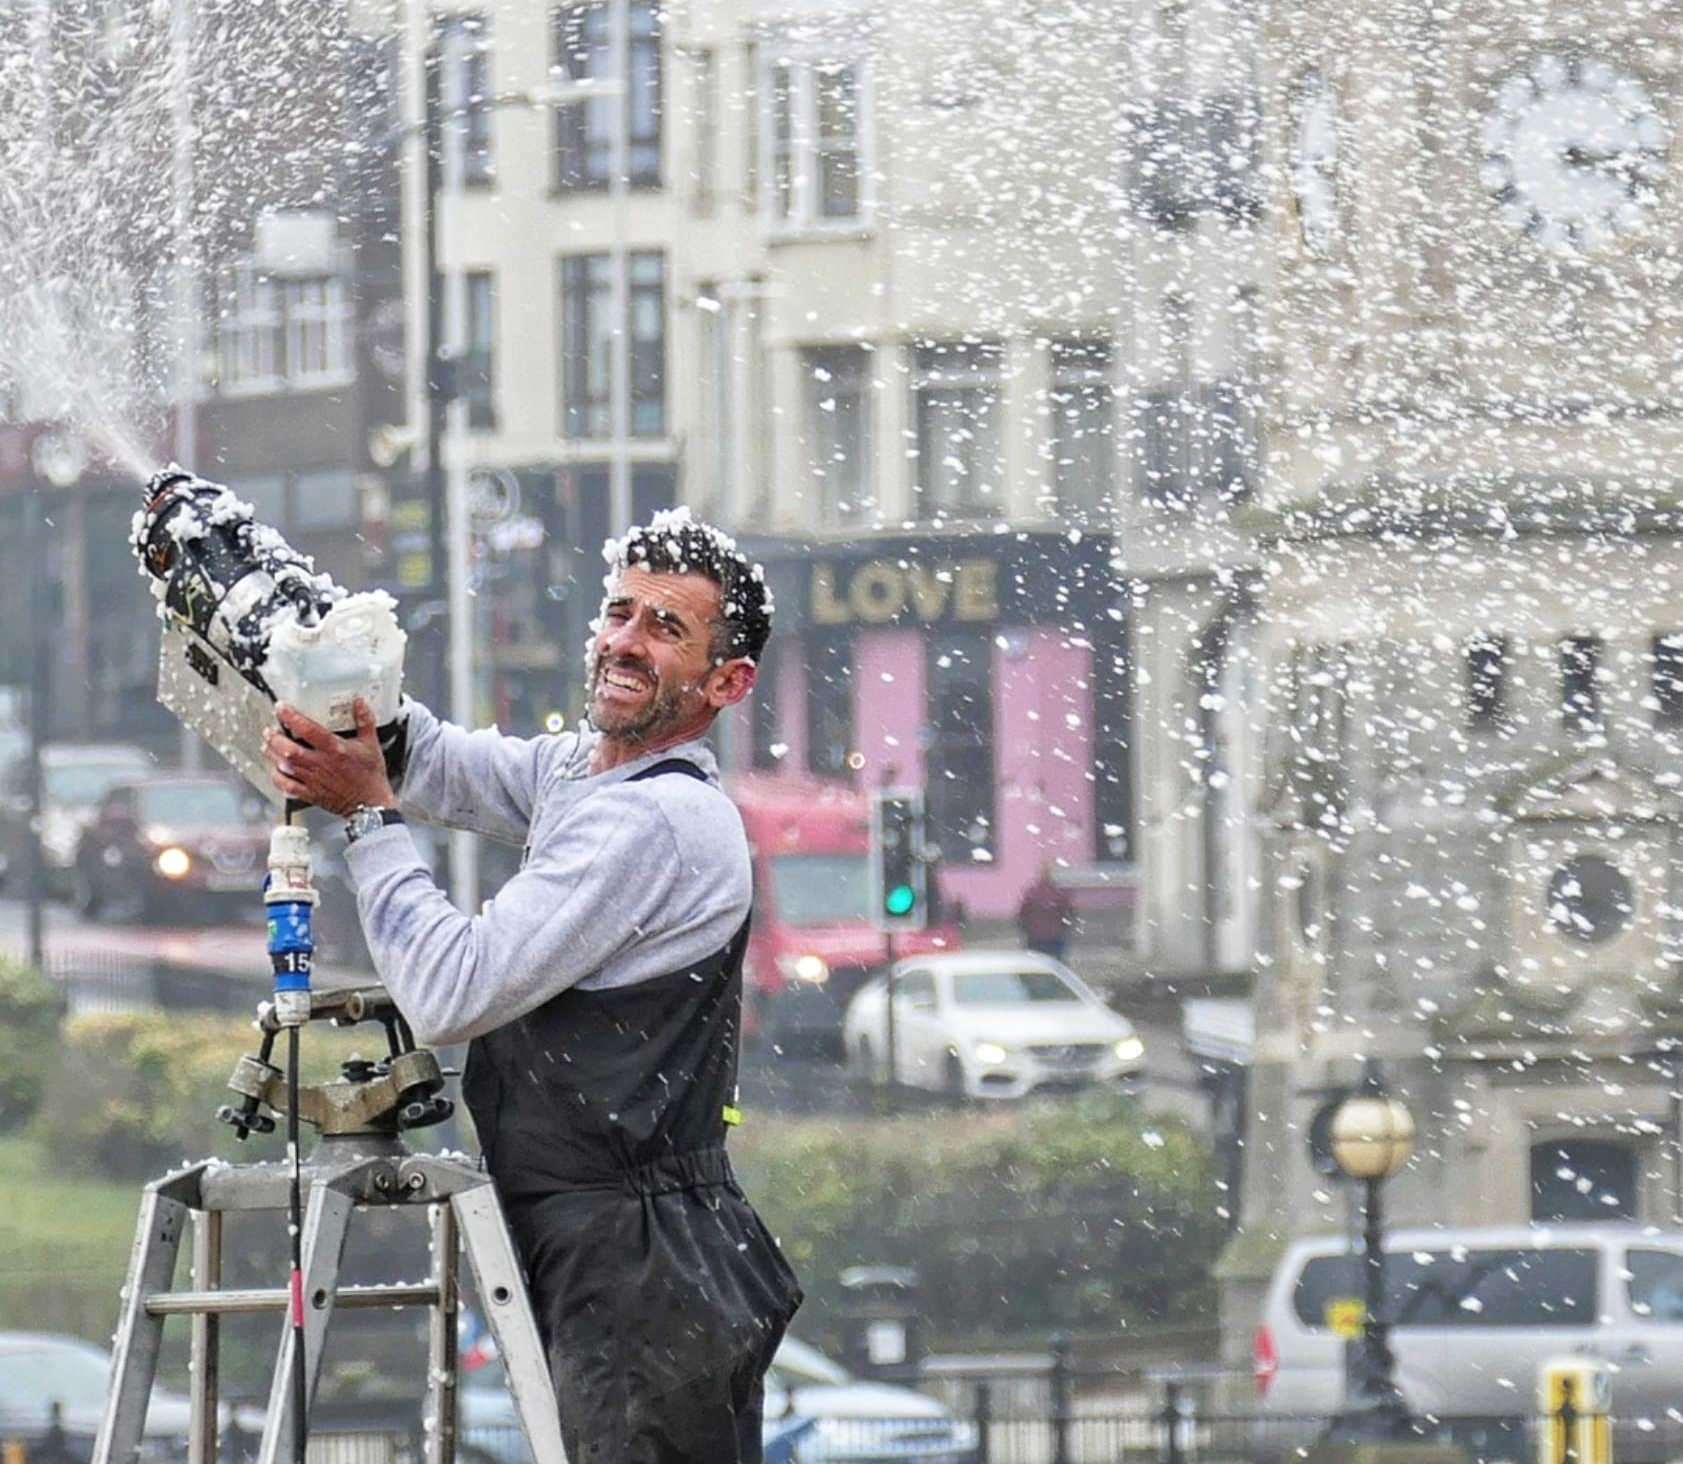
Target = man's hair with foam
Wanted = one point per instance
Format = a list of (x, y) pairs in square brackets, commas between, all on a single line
[(675, 542)]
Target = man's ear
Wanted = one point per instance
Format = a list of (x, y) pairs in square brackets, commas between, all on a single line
[(731, 682)]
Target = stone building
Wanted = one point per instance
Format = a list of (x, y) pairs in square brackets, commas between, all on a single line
[(1472, 611), (852, 280)]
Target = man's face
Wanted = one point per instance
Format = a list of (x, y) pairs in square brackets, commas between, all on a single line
[(651, 658)]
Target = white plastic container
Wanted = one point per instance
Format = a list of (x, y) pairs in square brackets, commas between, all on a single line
[(355, 650)]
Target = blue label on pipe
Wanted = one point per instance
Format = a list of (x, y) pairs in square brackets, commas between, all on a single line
[(290, 928)]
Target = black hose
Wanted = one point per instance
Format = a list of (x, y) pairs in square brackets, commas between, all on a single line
[(295, 1218)]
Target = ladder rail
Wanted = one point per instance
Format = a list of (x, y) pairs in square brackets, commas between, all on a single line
[(164, 1208), (467, 1220)]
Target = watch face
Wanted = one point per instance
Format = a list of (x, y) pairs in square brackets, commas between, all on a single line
[(1574, 153), (1314, 167)]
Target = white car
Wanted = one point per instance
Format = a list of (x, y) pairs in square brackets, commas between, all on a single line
[(848, 1420), (39, 1370), (990, 1024), (856, 1421)]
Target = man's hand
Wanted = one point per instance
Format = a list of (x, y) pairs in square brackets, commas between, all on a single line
[(315, 766)]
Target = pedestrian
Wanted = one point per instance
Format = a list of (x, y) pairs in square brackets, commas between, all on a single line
[(1043, 916), (600, 992)]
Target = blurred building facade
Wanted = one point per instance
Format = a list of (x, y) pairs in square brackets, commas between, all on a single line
[(853, 283), (293, 326), (1471, 617)]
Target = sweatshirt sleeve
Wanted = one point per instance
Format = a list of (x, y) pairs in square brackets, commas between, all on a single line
[(480, 781), (602, 880)]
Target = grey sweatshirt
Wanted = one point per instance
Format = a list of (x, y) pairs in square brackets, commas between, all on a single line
[(620, 882)]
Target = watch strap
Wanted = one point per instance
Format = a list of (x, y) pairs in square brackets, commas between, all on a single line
[(362, 821)]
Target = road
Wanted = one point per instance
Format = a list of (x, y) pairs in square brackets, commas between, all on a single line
[(226, 967)]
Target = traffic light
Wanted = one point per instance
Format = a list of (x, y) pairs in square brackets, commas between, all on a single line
[(899, 872)]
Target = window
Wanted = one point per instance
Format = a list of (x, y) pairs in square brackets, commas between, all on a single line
[(821, 889), (1195, 159), (267, 496), (325, 500), (317, 317), (1580, 682), (1083, 427), (1461, 1287), (465, 49), (1487, 667), (1668, 680), (277, 333), (1113, 798), (960, 764), (705, 121), (1655, 1284), (957, 406), (751, 130), (1233, 151), (1223, 445), (917, 989), (647, 304), (248, 331), (1583, 1179), (838, 430), (1163, 179), (589, 352), (654, 488), (815, 143), (584, 130), (1192, 441), (643, 96), (1163, 460), (479, 364), (1011, 988), (829, 704), (587, 346)]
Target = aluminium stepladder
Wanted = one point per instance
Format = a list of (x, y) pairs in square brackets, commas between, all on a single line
[(360, 1159)]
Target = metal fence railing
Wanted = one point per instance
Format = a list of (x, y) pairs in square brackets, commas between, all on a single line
[(1011, 1419)]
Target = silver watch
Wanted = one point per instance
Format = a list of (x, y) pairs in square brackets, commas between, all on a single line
[(366, 820)]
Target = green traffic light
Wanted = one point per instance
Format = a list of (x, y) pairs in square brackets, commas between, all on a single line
[(899, 900)]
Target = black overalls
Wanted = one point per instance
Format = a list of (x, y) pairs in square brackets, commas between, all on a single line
[(660, 1295)]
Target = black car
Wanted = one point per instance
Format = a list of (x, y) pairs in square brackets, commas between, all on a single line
[(74, 778), (174, 846)]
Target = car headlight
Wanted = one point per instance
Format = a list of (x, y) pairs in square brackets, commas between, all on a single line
[(173, 862), (814, 970), (1129, 1049), (989, 1054)]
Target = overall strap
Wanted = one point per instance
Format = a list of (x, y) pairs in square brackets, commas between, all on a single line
[(669, 765)]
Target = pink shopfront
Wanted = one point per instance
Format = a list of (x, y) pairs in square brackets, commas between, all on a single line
[(988, 669)]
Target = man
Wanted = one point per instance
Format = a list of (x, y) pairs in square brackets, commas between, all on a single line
[(601, 993), (1044, 914)]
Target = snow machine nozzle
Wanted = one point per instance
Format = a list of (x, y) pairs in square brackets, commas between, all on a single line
[(248, 622)]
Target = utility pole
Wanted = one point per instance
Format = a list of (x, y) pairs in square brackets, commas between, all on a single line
[(34, 541)]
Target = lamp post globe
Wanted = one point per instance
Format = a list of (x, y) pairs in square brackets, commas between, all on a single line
[(1372, 1135)]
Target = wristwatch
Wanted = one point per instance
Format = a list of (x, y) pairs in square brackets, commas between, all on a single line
[(365, 820)]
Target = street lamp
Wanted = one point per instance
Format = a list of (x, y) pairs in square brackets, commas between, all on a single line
[(57, 459), (1372, 1136)]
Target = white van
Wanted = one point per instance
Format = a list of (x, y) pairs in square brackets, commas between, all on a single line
[(1474, 1313)]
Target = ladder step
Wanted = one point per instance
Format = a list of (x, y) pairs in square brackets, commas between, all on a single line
[(179, 1303)]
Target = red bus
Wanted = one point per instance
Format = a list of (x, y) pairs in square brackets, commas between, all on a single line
[(812, 943)]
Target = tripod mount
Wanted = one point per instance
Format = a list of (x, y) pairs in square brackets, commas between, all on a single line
[(399, 1091)]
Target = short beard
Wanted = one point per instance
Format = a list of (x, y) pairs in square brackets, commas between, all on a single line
[(663, 712)]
